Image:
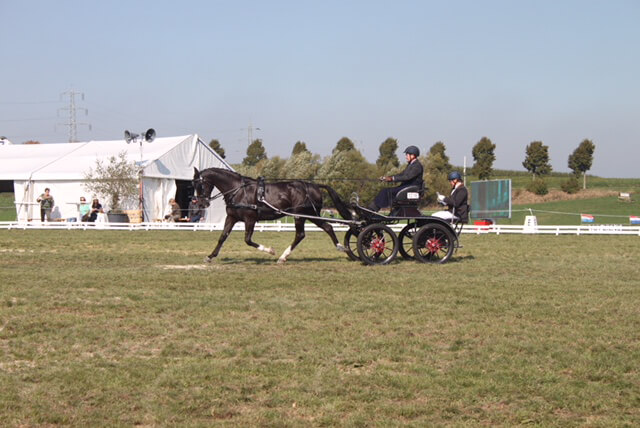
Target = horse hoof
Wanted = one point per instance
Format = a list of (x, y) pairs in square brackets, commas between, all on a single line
[(282, 261), (271, 251), (341, 247), (207, 259)]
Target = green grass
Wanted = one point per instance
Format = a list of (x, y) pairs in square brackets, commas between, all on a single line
[(124, 328), (7, 207)]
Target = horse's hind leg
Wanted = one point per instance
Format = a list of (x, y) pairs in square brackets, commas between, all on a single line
[(248, 234), (329, 229), (228, 225), (299, 237)]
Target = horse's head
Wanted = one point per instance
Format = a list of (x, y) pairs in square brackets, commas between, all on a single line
[(199, 189)]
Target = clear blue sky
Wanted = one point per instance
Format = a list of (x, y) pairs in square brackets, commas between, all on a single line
[(419, 71)]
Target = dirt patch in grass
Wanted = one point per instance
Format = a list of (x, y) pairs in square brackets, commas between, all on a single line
[(522, 197), (184, 267)]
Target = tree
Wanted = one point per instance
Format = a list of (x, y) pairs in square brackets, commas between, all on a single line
[(116, 180), (31, 142), (215, 145), (483, 155), (344, 145), (436, 170), (537, 159), (388, 158), (255, 153), (348, 172), (299, 147), (273, 168), (581, 159), (303, 165)]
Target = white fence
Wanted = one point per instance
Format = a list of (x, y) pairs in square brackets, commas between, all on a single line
[(289, 227)]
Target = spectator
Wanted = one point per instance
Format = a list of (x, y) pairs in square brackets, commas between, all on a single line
[(84, 209), (196, 213), (175, 213), (46, 205), (96, 208)]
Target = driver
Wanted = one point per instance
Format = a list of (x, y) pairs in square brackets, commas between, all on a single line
[(456, 202), (411, 176)]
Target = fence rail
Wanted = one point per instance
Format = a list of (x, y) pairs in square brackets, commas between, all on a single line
[(289, 227)]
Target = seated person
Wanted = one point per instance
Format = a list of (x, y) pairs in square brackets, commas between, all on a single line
[(176, 211), (195, 213), (411, 176), (456, 202), (96, 208), (83, 209)]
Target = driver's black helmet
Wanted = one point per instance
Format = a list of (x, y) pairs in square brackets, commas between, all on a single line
[(412, 150)]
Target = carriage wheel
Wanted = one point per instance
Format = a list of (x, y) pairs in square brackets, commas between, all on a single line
[(406, 241), (351, 244), (377, 244), (433, 243)]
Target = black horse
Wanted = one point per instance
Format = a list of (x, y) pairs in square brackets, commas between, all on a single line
[(250, 200)]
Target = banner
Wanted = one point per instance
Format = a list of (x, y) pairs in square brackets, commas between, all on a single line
[(634, 219), (586, 218)]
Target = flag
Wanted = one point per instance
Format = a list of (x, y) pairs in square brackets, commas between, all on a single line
[(586, 218), (634, 219)]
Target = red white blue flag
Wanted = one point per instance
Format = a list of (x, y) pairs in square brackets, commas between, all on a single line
[(634, 219), (586, 218)]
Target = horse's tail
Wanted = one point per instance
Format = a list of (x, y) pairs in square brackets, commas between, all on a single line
[(341, 206)]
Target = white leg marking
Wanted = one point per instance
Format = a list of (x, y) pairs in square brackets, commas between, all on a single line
[(266, 249), (341, 247), (283, 257)]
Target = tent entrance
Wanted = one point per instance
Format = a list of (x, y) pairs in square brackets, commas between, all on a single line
[(184, 191)]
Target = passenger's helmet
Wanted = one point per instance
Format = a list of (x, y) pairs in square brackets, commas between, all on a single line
[(455, 175), (412, 150)]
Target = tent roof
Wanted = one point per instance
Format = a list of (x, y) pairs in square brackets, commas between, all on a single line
[(169, 157)]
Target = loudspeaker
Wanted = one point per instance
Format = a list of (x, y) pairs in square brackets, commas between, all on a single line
[(130, 136), (150, 135)]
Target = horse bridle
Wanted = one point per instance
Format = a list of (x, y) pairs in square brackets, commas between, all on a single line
[(210, 198)]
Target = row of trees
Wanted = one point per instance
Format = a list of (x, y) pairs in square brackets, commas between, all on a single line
[(349, 172)]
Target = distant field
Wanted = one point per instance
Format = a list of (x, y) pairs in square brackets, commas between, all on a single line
[(130, 328)]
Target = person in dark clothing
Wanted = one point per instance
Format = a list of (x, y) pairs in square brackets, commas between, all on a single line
[(456, 202), (96, 208), (411, 176), (196, 212)]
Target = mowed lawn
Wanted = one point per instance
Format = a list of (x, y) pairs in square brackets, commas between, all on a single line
[(105, 328)]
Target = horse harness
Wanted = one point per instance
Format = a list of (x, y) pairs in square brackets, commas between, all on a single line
[(262, 204)]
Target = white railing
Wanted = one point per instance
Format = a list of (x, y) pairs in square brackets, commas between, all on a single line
[(290, 227)]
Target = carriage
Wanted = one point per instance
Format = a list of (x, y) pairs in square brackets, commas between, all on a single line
[(426, 239), (369, 238)]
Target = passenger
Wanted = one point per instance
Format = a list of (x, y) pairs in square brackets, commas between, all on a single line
[(456, 202), (411, 176)]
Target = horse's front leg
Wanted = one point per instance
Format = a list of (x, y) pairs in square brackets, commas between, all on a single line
[(228, 225), (248, 234), (299, 237), (329, 229)]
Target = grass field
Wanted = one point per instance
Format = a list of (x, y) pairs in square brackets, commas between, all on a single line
[(130, 328)]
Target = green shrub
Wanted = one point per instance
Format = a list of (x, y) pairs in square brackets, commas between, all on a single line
[(538, 186), (570, 186)]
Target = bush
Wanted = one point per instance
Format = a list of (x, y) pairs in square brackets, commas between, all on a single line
[(538, 186), (570, 186)]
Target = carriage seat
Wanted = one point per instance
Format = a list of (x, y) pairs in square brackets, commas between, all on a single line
[(409, 196)]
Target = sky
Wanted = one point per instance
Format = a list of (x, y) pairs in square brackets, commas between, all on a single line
[(315, 71)]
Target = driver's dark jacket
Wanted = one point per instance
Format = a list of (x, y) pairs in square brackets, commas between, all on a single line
[(411, 176)]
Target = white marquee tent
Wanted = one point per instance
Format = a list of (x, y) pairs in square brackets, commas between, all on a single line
[(164, 163)]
